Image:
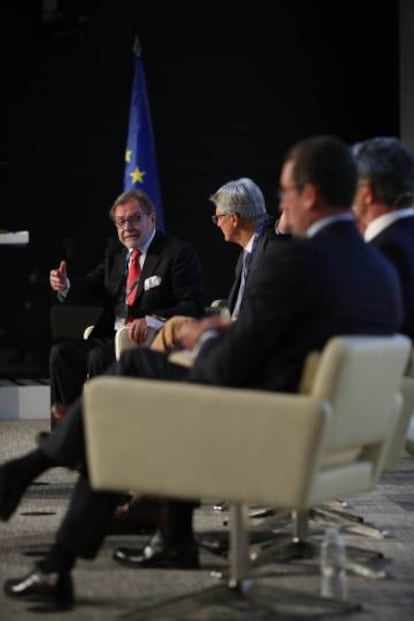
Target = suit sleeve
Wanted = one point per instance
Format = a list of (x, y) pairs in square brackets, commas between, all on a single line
[(186, 282), (274, 296), (88, 288)]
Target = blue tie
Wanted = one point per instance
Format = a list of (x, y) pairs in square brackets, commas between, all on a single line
[(247, 258)]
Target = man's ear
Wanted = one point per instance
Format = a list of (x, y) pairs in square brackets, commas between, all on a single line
[(367, 194), (310, 196)]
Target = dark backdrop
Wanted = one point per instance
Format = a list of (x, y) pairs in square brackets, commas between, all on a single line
[(231, 86)]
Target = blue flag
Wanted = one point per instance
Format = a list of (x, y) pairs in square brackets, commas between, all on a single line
[(140, 161)]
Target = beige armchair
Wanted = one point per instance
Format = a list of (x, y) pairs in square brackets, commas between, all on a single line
[(122, 341), (333, 512), (409, 444), (291, 451)]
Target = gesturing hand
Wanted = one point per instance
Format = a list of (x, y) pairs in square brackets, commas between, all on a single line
[(138, 330), (58, 278)]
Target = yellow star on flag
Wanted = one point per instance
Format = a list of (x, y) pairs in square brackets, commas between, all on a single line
[(128, 155), (137, 175)]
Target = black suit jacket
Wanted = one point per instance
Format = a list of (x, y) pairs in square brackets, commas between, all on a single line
[(180, 291), (302, 292), (268, 234), (396, 242)]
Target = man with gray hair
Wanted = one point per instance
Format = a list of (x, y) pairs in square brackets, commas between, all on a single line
[(240, 213), (241, 216)]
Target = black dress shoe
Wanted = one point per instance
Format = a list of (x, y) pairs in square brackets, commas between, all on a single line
[(54, 588), (11, 490), (158, 554)]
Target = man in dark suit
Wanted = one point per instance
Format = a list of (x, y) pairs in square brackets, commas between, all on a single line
[(325, 282), (240, 214), (384, 209), (169, 283)]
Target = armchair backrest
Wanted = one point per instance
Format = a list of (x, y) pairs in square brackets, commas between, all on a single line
[(360, 376)]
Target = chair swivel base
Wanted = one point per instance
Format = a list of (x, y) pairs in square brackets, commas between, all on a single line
[(272, 519), (348, 521), (218, 602)]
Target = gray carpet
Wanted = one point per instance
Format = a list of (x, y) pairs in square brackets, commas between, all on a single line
[(105, 590)]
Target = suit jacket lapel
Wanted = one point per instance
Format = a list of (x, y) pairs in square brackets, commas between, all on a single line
[(236, 283), (151, 261), (118, 271)]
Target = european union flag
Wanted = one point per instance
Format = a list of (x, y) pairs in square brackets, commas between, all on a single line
[(140, 161)]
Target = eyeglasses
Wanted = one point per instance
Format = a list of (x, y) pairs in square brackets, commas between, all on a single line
[(133, 220), (216, 219)]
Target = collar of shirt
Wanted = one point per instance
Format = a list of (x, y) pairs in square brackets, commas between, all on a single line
[(249, 246), (378, 225), (324, 222)]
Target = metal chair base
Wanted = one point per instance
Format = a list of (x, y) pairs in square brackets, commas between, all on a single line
[(218, 602)]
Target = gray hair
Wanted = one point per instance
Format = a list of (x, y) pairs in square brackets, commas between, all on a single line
[(241, 196), (388, 166)]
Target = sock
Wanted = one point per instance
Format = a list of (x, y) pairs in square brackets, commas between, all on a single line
[(177, 525), (57, 560)]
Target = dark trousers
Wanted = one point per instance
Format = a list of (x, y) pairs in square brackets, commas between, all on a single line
[(71, 362), (89, 513)]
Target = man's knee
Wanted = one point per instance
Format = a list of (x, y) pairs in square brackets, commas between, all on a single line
[(98, 361)]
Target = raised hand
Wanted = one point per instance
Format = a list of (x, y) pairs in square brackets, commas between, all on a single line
[(58, 278)]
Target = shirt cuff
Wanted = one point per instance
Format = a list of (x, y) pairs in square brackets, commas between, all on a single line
[(62, 295)]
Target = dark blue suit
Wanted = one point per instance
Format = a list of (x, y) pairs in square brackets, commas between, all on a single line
[(396, 242)]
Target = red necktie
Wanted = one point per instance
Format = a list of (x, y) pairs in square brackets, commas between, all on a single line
[(134, 274)]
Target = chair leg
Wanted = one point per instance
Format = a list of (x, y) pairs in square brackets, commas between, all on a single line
[(239, 545), (349, 521)]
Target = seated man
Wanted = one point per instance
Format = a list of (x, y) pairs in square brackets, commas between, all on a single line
[(384, 209), (144, 273), (240, 213), (303, 293)]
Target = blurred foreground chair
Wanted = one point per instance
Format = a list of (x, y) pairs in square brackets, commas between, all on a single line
[(409, 444), (292, 451), (333, 512)]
